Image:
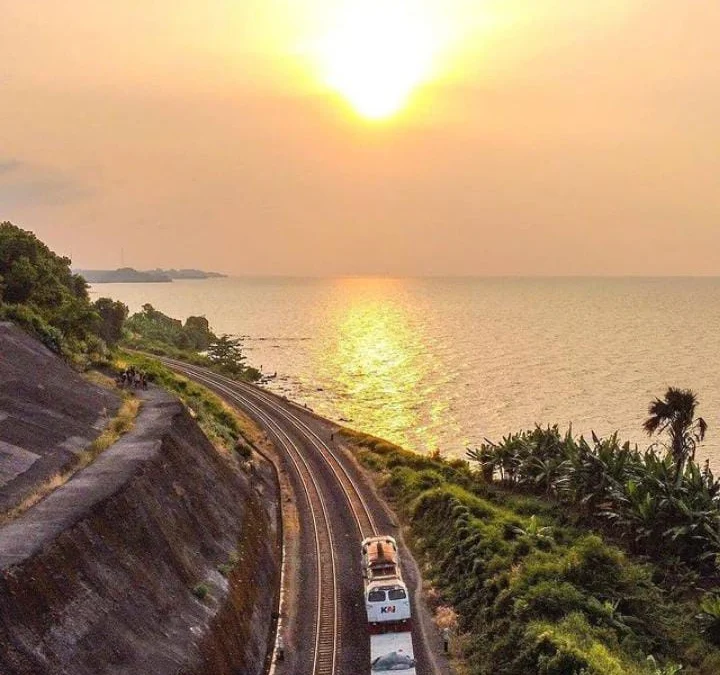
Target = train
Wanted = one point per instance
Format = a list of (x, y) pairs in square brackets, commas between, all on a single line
[(387, 603)]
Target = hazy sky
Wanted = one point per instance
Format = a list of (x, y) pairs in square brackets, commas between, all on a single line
[(539, 136)]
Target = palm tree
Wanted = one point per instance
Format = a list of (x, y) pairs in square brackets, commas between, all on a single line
[(675, 413)]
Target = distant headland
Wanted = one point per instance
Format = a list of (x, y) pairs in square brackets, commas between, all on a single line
[(130, 275)]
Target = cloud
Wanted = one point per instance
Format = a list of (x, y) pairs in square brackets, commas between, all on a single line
[(27, 185)]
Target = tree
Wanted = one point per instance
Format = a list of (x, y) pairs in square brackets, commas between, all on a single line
[(152, 324), (675, 413), (20, 280), (225, 352), (112, 317), (40, 292), (198, 332)]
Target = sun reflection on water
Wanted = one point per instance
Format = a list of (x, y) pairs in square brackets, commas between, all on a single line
[(378, 360)]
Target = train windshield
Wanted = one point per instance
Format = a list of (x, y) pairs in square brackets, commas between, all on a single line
[(376, 596), (397, 594)]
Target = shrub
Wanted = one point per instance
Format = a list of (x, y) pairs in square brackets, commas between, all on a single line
[(709, 617), (534, 594), (40, 292), (200, 591)]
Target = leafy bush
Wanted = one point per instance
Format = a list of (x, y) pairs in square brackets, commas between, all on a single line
[(535, 595), (709, 618), (112, 315), (33, 323), (656, 505), (156, 333)]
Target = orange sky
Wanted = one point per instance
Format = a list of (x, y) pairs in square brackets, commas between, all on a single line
[(545, 137)]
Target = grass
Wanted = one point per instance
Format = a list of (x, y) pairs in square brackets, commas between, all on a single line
[(114, 430), (231, 434), (117, 427), (226, 568), (159, 348)]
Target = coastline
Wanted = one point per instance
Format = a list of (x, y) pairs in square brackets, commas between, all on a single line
[(433, 364)]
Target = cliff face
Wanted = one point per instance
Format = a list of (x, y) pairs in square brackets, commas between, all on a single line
[(48, 413), (105, 574)]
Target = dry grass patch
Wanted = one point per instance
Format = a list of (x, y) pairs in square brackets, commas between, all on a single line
[(116, 427), (101, 380)]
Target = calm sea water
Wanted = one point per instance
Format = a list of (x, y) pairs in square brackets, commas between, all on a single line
[(445, 363)]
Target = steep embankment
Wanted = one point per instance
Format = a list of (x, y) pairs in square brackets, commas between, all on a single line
[(160, 557), (48, 414)]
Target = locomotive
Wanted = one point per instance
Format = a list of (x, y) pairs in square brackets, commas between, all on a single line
[(387, 603)]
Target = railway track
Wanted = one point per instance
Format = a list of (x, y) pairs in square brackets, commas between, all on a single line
[(279, 419), (247, 395)]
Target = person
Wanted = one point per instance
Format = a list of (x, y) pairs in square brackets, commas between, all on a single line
[(446, 639)]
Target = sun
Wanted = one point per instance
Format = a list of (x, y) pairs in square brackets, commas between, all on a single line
[(376, 54)]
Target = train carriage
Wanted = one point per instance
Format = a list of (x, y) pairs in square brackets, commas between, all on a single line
[(392, 652)]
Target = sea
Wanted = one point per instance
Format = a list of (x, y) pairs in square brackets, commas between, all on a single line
[(445, 363)]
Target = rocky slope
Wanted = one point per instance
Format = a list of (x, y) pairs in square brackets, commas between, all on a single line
[(107, 573), (48, 413)]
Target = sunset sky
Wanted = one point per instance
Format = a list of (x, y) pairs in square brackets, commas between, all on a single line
[(474, 137)]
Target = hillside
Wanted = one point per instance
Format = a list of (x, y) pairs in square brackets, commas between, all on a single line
[(159, 557), (48, 414)]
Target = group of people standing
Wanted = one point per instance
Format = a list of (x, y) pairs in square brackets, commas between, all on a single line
[(133, 378)]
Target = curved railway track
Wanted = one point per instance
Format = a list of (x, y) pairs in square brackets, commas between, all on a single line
[(247, 395), (278, 418)]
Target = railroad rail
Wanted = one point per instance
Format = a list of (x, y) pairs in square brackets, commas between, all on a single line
[(273, 414), (243, 393)]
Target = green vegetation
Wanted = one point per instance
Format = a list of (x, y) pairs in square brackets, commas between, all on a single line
[(675, 414), (225, 354), (156, 333), (39, 292), (662, 506), (217, 420), (112, 315), (535, 593), (226, 568), (200, 591), (154, 326)]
